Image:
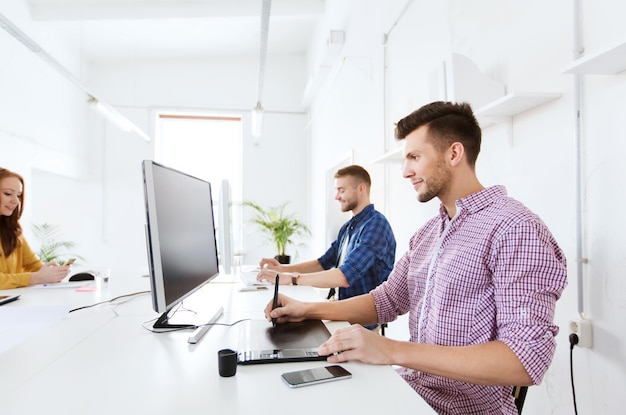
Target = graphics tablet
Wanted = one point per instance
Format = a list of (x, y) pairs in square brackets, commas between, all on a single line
[(259, 342)]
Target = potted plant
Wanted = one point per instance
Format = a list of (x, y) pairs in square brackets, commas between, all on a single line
[(279, 227), (50, 249)]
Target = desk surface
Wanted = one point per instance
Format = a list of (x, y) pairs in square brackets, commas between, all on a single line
[(104, 360)]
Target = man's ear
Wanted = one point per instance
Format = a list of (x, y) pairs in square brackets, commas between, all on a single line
[(456, 153), (362, 188)]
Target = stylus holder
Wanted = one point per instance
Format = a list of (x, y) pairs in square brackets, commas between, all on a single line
[(227, 362)]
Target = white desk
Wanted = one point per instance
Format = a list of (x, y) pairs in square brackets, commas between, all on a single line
[(101, 361)]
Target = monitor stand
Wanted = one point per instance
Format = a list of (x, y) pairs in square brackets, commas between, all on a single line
[(178, 318)]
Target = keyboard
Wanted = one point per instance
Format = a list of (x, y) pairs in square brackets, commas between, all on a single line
[(249, 279)]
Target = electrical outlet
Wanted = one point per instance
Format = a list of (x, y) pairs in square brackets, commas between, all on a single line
[(582, 328)]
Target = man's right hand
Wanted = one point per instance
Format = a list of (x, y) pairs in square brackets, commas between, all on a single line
[(288, 310)]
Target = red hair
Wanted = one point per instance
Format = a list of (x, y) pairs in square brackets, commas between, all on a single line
[(10, 229)]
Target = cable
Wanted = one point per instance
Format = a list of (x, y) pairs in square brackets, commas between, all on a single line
[(190, 327), (573, 340), (109, 301)]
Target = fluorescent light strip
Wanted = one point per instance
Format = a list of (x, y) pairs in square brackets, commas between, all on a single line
[(116, 118), (106, 109)]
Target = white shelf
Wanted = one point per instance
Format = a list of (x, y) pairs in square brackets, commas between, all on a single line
[(500, 110), (512, 104), (393, 156), (464, 82), (609, 61)]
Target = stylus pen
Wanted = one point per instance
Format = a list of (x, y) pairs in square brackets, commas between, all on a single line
[(275, 303)]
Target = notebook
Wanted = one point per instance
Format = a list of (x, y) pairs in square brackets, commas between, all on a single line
[(259, 342)]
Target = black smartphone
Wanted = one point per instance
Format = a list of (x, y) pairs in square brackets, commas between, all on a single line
[(8, 298), (314, 376)]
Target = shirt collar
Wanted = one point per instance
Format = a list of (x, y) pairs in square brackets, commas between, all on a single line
[(362, 214), (476, 201)]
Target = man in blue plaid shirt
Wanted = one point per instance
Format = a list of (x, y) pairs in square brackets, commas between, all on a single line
[(359, 259)]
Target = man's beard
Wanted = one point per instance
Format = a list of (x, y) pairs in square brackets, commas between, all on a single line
[(435, 184)]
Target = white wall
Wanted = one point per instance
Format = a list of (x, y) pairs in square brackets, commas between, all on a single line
[(525, 46)]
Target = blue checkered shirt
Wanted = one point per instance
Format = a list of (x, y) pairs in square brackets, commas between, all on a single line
[(370, 253)]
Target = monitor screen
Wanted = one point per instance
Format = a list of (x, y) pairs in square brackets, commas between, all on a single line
[(180, 235)]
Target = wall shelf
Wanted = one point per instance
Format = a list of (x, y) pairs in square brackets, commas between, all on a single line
[(393, 156), (463, 81), (505, 108), (459, 79), (609, 61), (501, 110)]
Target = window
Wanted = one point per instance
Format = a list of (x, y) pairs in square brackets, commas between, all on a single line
[(209, 147)]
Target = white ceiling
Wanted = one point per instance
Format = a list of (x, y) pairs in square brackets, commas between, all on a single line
[(180, 29)]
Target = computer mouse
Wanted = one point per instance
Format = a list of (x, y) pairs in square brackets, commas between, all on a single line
[(82, 276)]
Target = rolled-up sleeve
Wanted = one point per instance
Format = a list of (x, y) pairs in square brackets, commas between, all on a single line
[(529, 275)]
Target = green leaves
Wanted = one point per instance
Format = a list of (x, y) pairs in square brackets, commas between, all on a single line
[(279, 226), (50, 249)]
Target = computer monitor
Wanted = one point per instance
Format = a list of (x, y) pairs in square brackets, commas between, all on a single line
[(180, 239)]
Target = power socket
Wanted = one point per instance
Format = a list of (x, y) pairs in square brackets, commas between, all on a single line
[(582, 328)]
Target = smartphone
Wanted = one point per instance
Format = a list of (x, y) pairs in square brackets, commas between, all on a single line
[(8, 298), (314, 376), (70, 261)]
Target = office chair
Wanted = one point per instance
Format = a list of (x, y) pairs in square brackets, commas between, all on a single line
[(519, 393)]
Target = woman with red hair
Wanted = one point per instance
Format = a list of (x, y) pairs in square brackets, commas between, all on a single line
[(19, 266)]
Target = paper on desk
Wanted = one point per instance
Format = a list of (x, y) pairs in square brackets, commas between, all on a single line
[(19, 323)]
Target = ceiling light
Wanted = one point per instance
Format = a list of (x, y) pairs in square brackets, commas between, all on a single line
[(257, 112), (116, 118), (257, 121)]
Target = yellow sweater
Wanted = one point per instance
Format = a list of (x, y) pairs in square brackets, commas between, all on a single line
[(16, 268)]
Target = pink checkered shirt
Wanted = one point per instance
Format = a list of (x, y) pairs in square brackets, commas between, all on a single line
[(494, 272)]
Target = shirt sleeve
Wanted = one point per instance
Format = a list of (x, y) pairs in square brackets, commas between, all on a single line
[(529, 275), (330, 257), (8, 281), (18, 267), (391, 298), (30, 260)]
